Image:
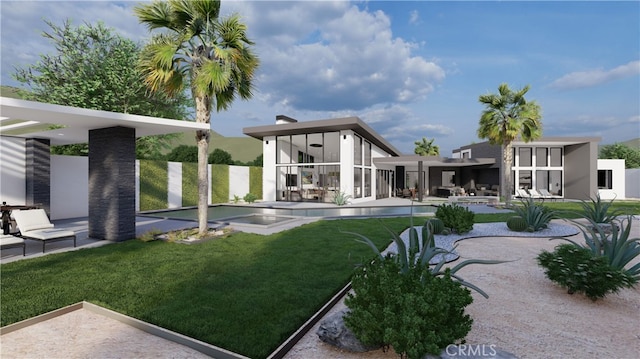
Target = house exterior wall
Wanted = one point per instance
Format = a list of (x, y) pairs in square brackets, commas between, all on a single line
[(69, 187), (580, 170), (618, 188), (174, 185), (238, 181), (269, 168), (632, 183), (12, 170)]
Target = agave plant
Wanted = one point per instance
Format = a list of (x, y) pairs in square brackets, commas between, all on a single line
[(536, 215), (617, 247), (341, 198), (598, 210), (419, 255)]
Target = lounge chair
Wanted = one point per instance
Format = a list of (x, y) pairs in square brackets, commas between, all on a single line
[(34, 224), (9, 241), (545, 193), (535, 194), (522, 193)]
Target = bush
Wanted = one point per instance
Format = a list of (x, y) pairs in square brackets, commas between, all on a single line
[(517, 224), (220, 157), (400, 300), (575, 268), (457, 218), (341, 199), (183, 153), (250, 197), (413, 315), (536, 215)]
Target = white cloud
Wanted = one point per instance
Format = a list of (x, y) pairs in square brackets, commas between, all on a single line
[(582, 79), (414, 17)]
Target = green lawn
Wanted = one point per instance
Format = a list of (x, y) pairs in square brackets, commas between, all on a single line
[(246, 293)]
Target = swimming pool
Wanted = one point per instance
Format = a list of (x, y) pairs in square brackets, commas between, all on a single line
[(270, 215)]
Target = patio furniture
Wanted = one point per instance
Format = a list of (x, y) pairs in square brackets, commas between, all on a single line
[(34, 224), (522, 193), (8, 223), (9, 241), (546, 194)]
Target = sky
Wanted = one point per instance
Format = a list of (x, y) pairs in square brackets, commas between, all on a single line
[(409, 69)]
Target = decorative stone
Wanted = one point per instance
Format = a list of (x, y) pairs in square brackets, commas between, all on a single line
[(333, 331)]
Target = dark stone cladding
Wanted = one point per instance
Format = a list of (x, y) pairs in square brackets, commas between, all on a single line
[(38, 173), (112, 201)]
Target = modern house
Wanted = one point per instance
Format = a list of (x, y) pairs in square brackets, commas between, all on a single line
[(316, 160)]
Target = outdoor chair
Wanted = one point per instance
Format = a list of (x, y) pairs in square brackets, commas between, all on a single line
[(9, 241), (522, 193), (535, 194), (34, 224), (545, 193)]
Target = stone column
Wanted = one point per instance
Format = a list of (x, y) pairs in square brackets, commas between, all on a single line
[(38, 173), (112, 200)]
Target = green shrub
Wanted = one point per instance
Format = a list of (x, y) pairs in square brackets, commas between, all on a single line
[(220, 157), (183, 153), (618, 249), (189, 184), (578, 270), (400, 300), (154, 185), (457, 218), (219, 183), (436, 224), (536, 215), (415, 313), (250, 198), (255, 181), (517, 224)]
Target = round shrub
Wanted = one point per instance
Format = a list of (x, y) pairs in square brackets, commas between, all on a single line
[(437, 226), (517, 224), (457, 218), (183, 153), (415, 312), (577, 269)]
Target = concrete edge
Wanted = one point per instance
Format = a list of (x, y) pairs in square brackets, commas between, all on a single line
[(202, 347)]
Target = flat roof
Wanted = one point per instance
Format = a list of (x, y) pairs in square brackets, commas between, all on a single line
[(433, 161), (328, 125), (30, 119)]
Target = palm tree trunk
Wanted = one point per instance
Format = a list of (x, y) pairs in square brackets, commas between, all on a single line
[(507, 155), (203, 114)]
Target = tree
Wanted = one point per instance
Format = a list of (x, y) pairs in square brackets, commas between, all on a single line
[(426, 148), (95, 68), (621, 151), (220, 157), (210, 55), (183, 153), (506, 117)]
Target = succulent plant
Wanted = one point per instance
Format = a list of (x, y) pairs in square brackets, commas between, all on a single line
[(517, 224), (437, 226)]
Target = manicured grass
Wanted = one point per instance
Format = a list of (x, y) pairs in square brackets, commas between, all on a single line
[(246, 293)]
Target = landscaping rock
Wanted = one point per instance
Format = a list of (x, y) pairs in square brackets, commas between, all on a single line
[(333, 331)]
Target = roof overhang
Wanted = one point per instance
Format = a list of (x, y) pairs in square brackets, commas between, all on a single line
[(329, 125), (433, 161), (29, 119)]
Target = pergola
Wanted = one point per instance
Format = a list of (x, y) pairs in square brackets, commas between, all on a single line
[(111, 137)]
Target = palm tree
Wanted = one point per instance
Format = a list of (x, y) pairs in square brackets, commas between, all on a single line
[(507, 116), (426, 148), (210, 55)]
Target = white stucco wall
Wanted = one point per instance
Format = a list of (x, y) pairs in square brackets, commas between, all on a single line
[(174, 185), (12, 170), (238, 181), (269, 168), (69, 187), (618, 190)]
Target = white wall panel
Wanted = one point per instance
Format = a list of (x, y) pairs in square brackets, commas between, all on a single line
[(238, 181), (175, 184), (12, 170), (69, 187)]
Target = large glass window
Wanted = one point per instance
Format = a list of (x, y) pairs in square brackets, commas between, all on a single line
[(556, 156), (357, 150), (541, 156), (367, 153), (283, 149), (367, 182), (524, 179), (525, 156), (357, 182)]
